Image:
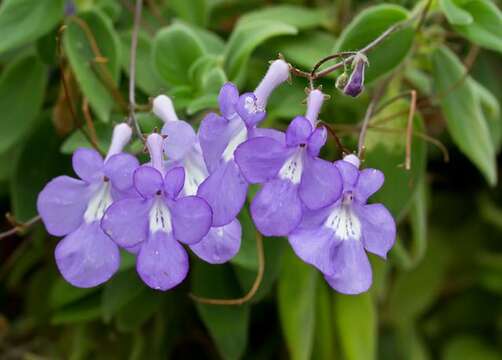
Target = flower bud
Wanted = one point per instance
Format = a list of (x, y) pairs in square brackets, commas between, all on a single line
[(353, 159), (277, 73), (154, 143), (121, 136), (163, 107), (355, 83)]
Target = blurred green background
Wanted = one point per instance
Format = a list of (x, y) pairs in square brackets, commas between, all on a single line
[(439, 294)]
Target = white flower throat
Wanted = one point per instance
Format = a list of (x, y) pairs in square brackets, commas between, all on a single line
[(293, 167), (195, 172), (160, 216), (239, 135), (343, 220), (99, 202)]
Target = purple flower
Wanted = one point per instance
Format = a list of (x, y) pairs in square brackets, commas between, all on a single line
[(334, 238), (182, 148), (293, 175), (225, 188), (73, 208), (355, 83), (157, 220)]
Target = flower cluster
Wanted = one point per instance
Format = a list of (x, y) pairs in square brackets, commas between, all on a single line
[(195, 184)]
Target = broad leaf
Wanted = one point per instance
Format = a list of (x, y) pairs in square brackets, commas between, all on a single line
[(34, 168), (296, 299), (466, 123), (194, 11), (146, 78), (23, 21), (356, 321), (119, 291), (175, 49), (93, 77), (245, 38), (454, 13), (305, 49), (22, 90), (300, 17), (486, 27), (228, 325)]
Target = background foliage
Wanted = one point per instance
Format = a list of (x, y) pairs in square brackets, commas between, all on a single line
[(438, 296)]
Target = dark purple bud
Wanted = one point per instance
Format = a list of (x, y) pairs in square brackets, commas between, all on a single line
[(355, 84)]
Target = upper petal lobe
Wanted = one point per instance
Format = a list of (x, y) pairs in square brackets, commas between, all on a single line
[(62, 204), (180, 139), (368, 183), (379, 229), (192, 219), (126, 221), (120, 169), (87, 164), (321, 183), (261, 158)]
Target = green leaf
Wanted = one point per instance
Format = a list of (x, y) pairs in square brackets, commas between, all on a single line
[(418, 221), (454, 13), (366, 27), (465, 121), (386, 151), (77, 139), (246, 261), (468, 347), (34, 168), (175, 49), (137, 311), (202, 103), (245, 38), (325, 337), (486, 98), (300, 17), (85, 310), (247, 256), (63, 294), (194, 11), (22, 87), (306, 49), (23, 21), (486, 28), (228, 325), (119, 291), (146, 78), (273, 250), (90, 75), (414, 291), (356, 322), (296, 296)]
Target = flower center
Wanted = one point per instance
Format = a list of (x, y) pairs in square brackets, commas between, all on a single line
[(293, 167), (195, 172), (251, 106), (160, 217), (238, 137), (99, 202), (344, 222)]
